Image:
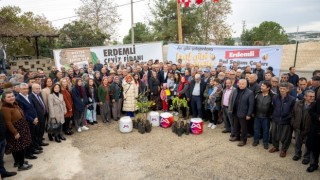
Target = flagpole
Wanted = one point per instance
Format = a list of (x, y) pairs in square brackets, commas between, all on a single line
[(132, 23), (179, 23)]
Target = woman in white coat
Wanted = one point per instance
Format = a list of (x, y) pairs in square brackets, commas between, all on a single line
[(130, 95), (57, 109)]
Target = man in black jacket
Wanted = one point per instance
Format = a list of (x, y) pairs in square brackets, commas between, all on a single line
[(293, 77), (255, 88), (262, 114), (259, 72), (98, 66), (4, 173), (314, 138), (241, 106)]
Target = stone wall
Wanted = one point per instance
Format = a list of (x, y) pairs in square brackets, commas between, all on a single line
[(32, 64)]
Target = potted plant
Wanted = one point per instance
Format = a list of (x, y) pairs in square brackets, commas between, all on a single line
[(179, 127), (176, 105), (143, 105), (142, 123)]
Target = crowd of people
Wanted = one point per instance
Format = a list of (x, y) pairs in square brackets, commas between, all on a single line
[(251, 101)]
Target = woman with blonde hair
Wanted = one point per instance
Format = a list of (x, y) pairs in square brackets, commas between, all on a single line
[(65, 91), (45, 93)]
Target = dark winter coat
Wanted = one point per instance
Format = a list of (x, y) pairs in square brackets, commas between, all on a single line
[(298, 116), (282, 109)]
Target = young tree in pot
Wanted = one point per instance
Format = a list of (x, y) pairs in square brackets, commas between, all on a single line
[(179, 127), (177, 104), (143, 105)]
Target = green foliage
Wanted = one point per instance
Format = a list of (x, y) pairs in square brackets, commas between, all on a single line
[(141, 34), (229, 42), (143, 104), (177, 103), (18, 31), (80, 34), (267, 33), (200, 24)]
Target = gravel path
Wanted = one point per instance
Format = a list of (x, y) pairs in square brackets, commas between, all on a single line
[(105, 153)]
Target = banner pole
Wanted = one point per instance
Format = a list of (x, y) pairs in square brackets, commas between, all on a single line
[(132, 24), (179, 23)]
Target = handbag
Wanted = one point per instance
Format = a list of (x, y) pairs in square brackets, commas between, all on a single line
[(53, 126), (90, 107)]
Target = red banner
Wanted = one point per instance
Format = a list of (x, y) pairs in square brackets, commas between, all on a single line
[(250, 53)]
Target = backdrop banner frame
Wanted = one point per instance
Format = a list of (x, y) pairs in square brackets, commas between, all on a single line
[(210, 55)]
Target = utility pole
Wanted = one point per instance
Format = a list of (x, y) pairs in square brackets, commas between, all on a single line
[(132, 24), (243, 26), (179, 23), (297, 45)]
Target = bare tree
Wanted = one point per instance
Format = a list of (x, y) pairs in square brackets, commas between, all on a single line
[(214, 26), (100, 14)]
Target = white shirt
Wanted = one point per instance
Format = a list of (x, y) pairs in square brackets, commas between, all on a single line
[(165, 75), (196, 89)]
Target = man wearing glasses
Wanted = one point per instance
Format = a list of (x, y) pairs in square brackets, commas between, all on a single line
[(284, 78), (301, 124), (274, 84), (233, 78)]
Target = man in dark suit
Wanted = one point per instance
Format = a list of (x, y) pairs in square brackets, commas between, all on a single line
[(163, 75), (259, 72), (98, 66), (195, 94), (30, 114), (241, 106), (145, 70), (293, 77), (38, 103)]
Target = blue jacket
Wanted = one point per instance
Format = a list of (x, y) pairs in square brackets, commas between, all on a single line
[(79, 105), (28, 109), (282, 109), (294, 93), (294, 79), (245, 105)]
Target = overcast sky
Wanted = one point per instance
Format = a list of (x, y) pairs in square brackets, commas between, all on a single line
[(288, 13)]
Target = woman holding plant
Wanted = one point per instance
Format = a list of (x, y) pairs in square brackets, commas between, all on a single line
[(182, 91)]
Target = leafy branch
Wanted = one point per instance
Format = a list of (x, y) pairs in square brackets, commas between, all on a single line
[(177, 103), (143, 104)]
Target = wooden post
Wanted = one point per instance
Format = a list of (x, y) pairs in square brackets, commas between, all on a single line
[(37, 46), (179, 23)]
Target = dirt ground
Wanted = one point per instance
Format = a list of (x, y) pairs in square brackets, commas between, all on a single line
[(105, 153)]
